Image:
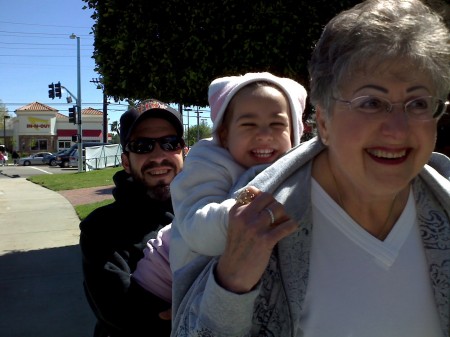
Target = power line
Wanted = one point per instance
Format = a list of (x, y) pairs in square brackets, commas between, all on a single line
[(34, 55), (64, 103), (51, 35), (36, 24), (39, 44)]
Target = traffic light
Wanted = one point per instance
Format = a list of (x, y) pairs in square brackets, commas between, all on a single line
[(58, 90), (73, 114), (51, 92)]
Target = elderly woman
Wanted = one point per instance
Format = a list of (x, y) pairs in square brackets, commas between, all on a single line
[(359, 241)]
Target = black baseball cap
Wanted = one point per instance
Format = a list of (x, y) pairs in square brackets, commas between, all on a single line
[(150, 108)]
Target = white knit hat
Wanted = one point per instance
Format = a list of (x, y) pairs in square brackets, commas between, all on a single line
[(223, 89)]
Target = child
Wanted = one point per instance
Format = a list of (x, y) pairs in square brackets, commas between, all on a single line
[(256, 118)]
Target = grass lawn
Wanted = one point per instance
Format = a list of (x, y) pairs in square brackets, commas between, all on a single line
[(72, 181), (84, 210)]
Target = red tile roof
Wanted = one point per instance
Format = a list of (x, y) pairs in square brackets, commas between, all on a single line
[(60, 115), (91, 111), (36, 106)]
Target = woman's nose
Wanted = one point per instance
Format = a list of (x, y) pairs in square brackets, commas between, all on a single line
[(396, 123)]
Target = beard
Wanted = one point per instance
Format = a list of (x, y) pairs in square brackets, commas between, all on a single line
[(159, 191)]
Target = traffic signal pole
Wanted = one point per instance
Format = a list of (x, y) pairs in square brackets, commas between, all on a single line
[(75, 111), (80, 145), (55, 91)]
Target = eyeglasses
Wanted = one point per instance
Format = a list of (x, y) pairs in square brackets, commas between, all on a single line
[(147, 145), (422, 108)]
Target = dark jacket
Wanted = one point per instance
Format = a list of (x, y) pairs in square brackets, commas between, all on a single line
[(112, 241)]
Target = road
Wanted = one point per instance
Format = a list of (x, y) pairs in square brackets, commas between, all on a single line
[(28, 171)]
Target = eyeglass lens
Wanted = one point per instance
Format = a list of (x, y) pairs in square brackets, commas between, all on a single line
[(147, 145), (422, 108)]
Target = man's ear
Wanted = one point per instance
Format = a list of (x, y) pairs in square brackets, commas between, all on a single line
[(125, 162)]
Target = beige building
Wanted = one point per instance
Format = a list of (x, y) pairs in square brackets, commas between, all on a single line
[(38, 127)]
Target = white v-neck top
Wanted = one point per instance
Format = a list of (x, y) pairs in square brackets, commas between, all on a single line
[(361, 286)]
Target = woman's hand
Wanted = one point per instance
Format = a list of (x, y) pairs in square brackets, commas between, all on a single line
[(250, 240)]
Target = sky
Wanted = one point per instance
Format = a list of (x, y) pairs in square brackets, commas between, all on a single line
[(36, 50)]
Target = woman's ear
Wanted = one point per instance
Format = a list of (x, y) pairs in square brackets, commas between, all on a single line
[(322, 124)]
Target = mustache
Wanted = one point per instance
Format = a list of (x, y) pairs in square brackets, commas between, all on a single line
[(152, 165)]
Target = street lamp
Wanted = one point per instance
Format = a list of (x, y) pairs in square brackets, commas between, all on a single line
[(5, 117), (79, 140)]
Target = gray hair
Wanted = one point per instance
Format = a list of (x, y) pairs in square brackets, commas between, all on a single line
[(376, 31)]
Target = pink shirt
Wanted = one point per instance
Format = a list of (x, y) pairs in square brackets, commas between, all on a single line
[(153, 271)]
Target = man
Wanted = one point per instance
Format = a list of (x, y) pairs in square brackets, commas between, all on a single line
[(114, 236)]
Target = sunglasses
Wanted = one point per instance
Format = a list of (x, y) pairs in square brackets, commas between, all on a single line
[(147, 145)]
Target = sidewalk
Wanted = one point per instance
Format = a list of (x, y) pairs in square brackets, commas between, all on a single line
[(41, 279), (90, 195)]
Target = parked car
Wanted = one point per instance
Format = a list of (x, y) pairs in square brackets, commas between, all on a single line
[(34, 159), (73, 158), (51, 159), (63, 160)]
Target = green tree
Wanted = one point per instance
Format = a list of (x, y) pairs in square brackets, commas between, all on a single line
[(115, 138), (195, 133), (115, 126), (3, 111), (172, 49)]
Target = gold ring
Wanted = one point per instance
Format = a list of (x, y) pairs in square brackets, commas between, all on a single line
[(272, 217), (245, 197)]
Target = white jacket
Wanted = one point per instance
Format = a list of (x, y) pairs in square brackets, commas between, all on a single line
[(200, 198)]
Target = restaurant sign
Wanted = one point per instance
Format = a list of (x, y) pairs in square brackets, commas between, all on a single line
[(37, 123)]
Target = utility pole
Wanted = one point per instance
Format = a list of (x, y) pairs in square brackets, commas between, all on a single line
[(198, 124), (186, 137), (100, 85), (105, 118)]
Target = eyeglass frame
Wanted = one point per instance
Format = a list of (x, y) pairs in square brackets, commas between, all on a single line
[(162, 142), (390, 106)]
